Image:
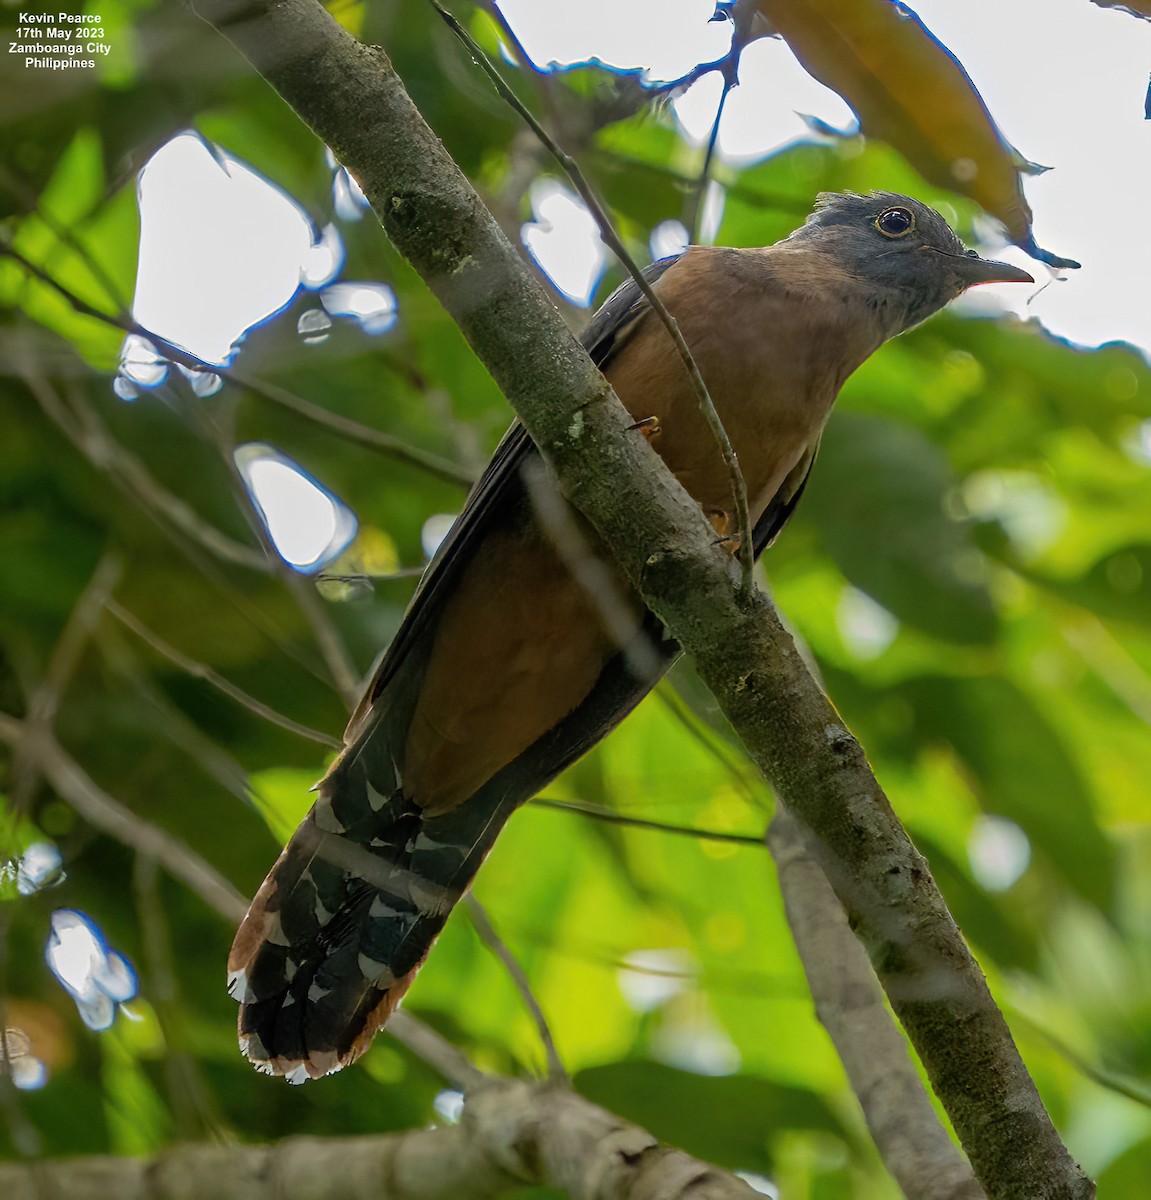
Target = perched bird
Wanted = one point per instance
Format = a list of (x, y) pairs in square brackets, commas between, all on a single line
[(524, 645)]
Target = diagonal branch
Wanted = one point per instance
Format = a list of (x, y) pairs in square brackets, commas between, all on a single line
[(101, 811), (849, 1003), (488, 935), (201, 670), (80, 423), (351, 97), (609, 816)]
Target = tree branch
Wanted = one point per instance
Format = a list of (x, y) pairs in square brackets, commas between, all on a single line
[(351, 97), (849, 1003), (512, 1134), (483, 926), (101, 811), (200, 670)]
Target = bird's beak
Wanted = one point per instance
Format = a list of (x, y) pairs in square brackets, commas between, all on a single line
[(975, 270)]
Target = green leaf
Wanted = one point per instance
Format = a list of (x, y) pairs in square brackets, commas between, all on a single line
[(877, 498), (1020, 768), (747, 1113)]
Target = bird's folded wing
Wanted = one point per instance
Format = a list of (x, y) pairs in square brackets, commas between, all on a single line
[(499, 488)]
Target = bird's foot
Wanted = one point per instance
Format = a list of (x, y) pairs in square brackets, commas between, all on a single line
[(724, 525), (649, 427)]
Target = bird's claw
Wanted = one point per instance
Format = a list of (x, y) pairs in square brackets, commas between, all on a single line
[(649, 427), (723, 525)]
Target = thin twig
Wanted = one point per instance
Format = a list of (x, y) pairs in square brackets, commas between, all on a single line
[(1129, 1089), (742, 16), (176, 354), (202, 671), (364, 435), (746, 550), (598, 813), (65, 235), (80, 424), (101, 811), (175, 725), (711, 740), (430, 1047), (353, 431), (190, 1099), (620, 616), (44, 700), (711, 981), (678, 84), (491, 939)]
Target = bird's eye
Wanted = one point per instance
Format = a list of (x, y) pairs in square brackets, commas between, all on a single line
[(895, 222)]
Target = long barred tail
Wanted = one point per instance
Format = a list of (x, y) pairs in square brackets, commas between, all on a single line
[(348, 913)]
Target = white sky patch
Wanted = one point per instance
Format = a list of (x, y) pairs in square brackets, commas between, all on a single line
[(1066, 83), (221, 249), (698, 1045), (759, 1183), (371, 305), (564, 241), (1138, 444), (348, 200), (98, 977), (314, 326), (324, 259), (867, 628), (40, 866), (26, 1071), (434, 530), (449, 1105), (348, 197), (666, 38), (998, 851), (711, 214), (765, 112), (307, 524), (667, 238)]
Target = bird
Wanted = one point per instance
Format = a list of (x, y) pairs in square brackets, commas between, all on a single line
[(524, 644)]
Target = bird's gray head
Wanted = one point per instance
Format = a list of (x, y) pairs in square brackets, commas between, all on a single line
[(905, 250)]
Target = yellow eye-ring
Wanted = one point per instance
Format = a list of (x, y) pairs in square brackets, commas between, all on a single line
[(895, 222)]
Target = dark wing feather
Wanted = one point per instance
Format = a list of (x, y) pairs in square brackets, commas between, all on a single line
[(778, 512)]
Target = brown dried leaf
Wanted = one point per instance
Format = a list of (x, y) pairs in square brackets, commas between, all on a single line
[(1137, 8), (908, 89)]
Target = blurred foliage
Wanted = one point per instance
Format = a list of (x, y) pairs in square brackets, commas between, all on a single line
[(981, 485)]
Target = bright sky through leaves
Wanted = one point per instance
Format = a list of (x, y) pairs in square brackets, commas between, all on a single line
[(221, 249), (1064, 79), (98, 977), (564, 241), (307, 524)]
